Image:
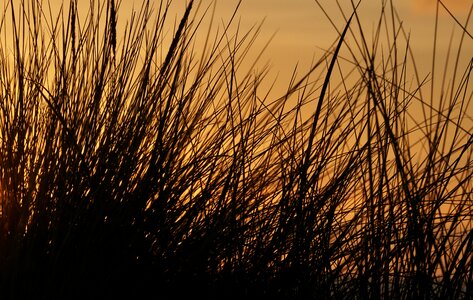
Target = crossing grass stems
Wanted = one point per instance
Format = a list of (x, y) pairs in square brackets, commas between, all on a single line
[(140, 163)]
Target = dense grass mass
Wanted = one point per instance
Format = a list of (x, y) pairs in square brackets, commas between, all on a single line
[(141, 162)]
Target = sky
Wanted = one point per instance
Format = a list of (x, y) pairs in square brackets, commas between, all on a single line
[(301, 28), (300, 32)]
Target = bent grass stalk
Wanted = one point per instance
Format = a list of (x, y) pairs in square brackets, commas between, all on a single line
[(130, 165)]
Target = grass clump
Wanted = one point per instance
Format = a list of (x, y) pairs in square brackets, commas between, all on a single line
[(133, 164)]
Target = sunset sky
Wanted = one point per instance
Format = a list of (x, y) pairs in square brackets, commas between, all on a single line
[(301, 31)]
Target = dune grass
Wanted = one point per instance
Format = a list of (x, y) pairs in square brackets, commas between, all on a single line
[(138, 163)]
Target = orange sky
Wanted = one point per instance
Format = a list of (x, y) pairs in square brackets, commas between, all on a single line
[(427, 7), (301, 29)]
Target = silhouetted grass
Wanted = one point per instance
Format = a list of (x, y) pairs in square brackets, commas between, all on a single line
[(132, 164)]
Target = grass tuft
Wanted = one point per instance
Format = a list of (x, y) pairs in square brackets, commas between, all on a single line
[(132, 163)]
